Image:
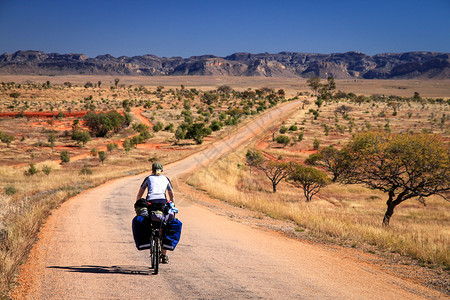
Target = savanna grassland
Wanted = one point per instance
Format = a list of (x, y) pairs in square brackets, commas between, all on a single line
[(51, 150), (59, 139), (349, 215)]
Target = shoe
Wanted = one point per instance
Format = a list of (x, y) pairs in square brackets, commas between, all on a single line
[(165, 259)]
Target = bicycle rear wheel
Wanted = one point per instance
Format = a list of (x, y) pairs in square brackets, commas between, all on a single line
[(156, 256)]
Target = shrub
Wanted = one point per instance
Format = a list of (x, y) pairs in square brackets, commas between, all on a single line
[(283, 139), (102, 156), (47, 170), (112, 146), (85, 170), (65, 157), (31, 171), (10, 190), (283, 129)]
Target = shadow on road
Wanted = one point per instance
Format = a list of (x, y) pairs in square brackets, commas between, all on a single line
[(130, 270)]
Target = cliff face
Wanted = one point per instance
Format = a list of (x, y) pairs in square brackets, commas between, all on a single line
[(284, 64)]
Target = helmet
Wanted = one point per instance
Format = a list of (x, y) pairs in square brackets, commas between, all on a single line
[(157, 166)]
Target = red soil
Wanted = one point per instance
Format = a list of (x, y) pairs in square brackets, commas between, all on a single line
[(42, 114)]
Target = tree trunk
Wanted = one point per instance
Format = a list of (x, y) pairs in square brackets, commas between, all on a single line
[(274, 187), (388, 214)]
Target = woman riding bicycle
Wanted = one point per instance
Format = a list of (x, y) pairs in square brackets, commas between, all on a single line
[(157, 185)]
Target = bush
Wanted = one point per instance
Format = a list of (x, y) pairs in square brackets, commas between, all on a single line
[(65, 157), (283, 139), (47, 170), (102, 124), (102, 156), (112, 146), (10, 190), (283, 129), (158, 126), (316, 144), (85, 170), (31, 171)]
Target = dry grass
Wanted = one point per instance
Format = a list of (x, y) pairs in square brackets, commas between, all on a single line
[(351, 215)]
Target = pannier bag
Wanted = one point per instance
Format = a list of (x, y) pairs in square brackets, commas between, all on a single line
[(141, 232), (141, 207), (172, 235)]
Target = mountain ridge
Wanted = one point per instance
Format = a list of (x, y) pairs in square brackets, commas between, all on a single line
[(348, 65)]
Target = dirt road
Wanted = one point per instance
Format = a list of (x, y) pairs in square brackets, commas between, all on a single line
[(86, 251)]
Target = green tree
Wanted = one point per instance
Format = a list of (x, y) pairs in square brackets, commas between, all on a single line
[(81, 137), (6, 138), (331, 159), (102, 156), (283, 139), (197, 132), (254, 158), (309, 179), (51, 139), (102, 124), (314, 84), (275, 171), (402, 165)]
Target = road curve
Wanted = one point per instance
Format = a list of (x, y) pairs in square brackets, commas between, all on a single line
[(86, 251)]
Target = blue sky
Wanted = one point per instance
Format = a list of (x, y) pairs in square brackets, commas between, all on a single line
[(186, 28)]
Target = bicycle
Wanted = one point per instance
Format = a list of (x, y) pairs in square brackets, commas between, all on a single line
[(155, 244), (157, 233)]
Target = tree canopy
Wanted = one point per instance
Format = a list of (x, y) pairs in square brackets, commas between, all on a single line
[(403, 165)]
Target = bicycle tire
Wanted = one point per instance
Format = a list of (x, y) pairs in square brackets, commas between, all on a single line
[(152, 251), (157, 255)]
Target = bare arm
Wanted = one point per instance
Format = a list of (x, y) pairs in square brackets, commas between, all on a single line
[(140, 193), (170, 195)]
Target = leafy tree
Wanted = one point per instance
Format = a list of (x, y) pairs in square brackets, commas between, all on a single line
[(102, 124), (197, 132), (314, 84), (158, 126), (180, 133), (254, 158), (275, 171), (403, 165), (127, 145), (331, 159), (6, 138), (102, 156), (51, 139), (14, 95), (65, 157), (283, 129), (283, 139), (216, 125), (316, 144), (309, 179), (82, 137), (343, 109)]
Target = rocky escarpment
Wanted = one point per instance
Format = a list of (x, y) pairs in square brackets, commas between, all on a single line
[(284, 64)]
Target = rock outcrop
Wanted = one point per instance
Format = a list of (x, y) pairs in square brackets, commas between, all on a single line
[(284, 64)]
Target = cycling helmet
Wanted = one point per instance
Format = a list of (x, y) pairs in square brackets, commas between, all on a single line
[(157, 166)]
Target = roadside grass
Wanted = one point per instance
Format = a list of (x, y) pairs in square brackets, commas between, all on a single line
[(349, 215), (27, 201)]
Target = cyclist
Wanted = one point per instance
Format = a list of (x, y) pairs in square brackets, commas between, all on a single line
[(157, 185)]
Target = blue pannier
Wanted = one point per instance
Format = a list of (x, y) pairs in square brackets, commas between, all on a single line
[(172, 234), (141, 232)]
